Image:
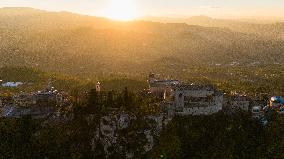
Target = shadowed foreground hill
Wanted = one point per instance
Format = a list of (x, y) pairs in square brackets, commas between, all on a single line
[(77, 44)]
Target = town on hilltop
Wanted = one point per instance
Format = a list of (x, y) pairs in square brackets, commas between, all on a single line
[(168, 98), (141, 79)]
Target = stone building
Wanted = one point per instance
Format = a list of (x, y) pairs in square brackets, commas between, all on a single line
[(161, 88), (38, 105), (197, 100), (24, 100), (43, 99)]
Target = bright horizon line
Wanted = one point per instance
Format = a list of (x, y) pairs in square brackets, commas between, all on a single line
[(174, 16)]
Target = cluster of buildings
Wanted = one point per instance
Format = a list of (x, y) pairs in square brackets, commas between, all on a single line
[(176, 99), (11, 84), (184, 99), (38, 104), (190, 99)]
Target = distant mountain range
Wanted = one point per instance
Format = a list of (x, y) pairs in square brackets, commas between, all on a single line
[(86, 45), (273, 28)]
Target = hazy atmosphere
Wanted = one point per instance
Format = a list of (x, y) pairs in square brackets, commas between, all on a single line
[(219, 8), (141, 79)]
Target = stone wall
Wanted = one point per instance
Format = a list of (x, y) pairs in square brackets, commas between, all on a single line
[(197, 100)]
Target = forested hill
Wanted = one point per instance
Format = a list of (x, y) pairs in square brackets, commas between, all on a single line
[(85, 45), (268, 28)]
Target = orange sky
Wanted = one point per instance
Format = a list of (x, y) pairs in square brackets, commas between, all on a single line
[(160, 7)]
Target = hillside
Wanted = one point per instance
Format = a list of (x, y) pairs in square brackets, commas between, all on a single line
[(84, 45), (267, 28), (34, 80)]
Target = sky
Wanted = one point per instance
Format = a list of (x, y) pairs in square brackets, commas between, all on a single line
[(160, 7)]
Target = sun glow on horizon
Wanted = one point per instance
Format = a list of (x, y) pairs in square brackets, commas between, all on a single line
[(123, 10)]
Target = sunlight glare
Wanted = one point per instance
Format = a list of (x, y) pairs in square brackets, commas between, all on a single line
[(123, 10)]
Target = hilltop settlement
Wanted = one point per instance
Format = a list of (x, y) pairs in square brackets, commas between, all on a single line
[(115, 111)]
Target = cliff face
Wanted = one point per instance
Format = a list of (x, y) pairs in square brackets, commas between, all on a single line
[(124, 133)]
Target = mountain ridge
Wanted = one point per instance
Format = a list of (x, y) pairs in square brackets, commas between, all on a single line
[(79, 44)]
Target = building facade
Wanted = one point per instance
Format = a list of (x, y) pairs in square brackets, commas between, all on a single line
[(161, 88), (197, 100)]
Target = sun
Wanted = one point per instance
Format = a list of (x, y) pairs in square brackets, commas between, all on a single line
[(123, 10)]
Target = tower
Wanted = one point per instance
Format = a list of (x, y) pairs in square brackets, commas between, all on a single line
[(98, 87)]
